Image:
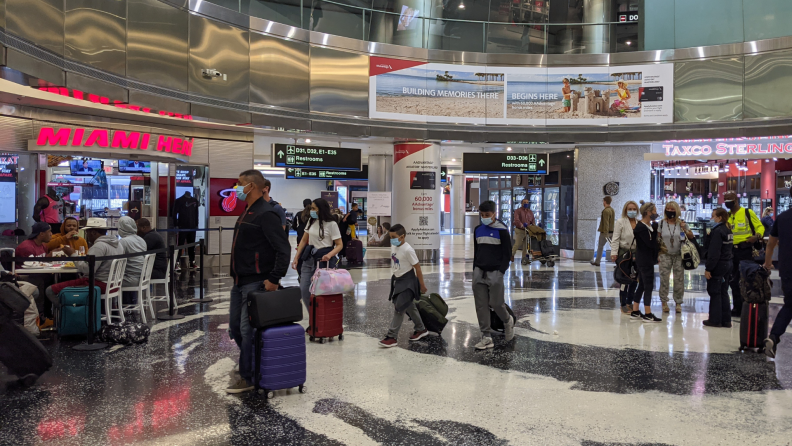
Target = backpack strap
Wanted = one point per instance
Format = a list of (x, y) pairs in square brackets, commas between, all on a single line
[(750, 221)]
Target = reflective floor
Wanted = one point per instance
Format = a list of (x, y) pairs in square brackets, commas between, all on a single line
[(578, 373)]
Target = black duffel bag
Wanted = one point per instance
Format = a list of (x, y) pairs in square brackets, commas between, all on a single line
[(625, 272), (268, 308)]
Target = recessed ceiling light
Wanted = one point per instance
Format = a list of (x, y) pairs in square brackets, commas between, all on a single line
[(453, 159), (508, 149), (307, 140)]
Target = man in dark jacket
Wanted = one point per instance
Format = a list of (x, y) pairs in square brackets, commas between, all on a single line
[(259, 259), (154, 241), (781, 239), (491, 258)]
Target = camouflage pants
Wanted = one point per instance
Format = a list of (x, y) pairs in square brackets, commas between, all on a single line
[(672, 263)]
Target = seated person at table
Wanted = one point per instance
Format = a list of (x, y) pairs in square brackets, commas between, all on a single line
[(102, 244), (154, 241), (381, 238), (68, 237), (36, 243), (132, 243)]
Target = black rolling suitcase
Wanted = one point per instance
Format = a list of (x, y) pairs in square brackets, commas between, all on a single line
[(753, 325), (495, 321), (268, 308), (22, 353), (354, 252)]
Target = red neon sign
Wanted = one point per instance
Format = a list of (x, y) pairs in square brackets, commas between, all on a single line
[(96, 99), (121, 139)]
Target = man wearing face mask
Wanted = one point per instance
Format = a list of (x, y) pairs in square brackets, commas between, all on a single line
[(523, 218), (748, 230), (259, 259)]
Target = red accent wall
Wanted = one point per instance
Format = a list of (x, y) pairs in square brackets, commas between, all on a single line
[(769, 181)]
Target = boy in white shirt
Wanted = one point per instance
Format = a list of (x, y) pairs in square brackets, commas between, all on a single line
[(407, 285)]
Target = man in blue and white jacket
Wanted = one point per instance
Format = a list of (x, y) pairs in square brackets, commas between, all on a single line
[(491, 257)]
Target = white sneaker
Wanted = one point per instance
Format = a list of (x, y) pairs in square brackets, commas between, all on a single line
[(508, 329), (485, 343)]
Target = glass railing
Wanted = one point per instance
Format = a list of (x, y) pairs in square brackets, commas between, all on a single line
[(531, 26)]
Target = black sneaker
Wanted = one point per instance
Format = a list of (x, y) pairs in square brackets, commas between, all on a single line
[(770, 346), (708, 323), (649, 317), (635, 315)]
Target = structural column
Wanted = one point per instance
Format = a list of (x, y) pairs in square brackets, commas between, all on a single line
[(458, 187), (596, 38), (380, 177), (417, 194)]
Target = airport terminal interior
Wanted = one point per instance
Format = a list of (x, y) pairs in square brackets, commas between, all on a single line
[(411, 222)]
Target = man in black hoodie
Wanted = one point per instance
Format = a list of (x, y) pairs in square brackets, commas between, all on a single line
[(491, 257), (259, 259)]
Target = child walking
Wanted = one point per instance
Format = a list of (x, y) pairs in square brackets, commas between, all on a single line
[(491, 257), (407, 284)]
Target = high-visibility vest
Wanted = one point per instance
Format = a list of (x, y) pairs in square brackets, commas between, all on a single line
[(740, 227)]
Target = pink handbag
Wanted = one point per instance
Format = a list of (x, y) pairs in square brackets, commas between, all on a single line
[(331, 281)]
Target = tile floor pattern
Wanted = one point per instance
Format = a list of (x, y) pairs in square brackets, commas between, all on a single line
[(578, 373)]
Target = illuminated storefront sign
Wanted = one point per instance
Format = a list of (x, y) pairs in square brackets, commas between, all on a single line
[(96, 99), (730, 148), (79, 138)]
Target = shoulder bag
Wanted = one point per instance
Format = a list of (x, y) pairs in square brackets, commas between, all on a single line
[(758, 247), (625, 272), (331, 281)]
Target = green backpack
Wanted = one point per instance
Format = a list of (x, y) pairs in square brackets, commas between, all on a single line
[(433, 310)]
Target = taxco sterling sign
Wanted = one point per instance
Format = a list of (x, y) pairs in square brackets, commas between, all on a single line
[(729, 148), (97, 140)]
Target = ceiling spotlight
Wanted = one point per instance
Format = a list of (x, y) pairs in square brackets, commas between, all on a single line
[(508, 149), (307, 140), (461, 6), (628, 43), (775, 159), (453, 159)]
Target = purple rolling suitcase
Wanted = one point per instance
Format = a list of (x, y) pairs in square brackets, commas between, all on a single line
[(279, 354)]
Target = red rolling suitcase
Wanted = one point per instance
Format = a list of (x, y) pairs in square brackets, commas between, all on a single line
[(354, 251), (753, 325), (326, 316)]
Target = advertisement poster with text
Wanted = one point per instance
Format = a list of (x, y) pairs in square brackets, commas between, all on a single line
[(417, 91), (417, 193)]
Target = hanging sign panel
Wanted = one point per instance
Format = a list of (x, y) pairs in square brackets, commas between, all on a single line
[(378, 203), (293, 173), (506, 163), (295, 155)]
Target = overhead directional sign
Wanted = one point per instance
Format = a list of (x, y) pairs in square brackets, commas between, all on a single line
[(443, 174), (336, 158), (293, 173), (506, 163)]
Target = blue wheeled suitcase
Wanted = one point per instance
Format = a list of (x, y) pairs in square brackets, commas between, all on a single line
[(73, 314), (280, 361)]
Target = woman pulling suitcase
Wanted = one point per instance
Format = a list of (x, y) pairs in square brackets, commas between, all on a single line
[(322, 243)]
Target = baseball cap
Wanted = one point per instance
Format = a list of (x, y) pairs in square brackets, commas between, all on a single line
[(96, 223), (38, 228)]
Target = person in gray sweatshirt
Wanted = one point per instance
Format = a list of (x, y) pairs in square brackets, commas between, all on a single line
[(102, 245), (132, 243)]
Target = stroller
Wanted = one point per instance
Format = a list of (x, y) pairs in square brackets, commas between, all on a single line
[(539, 247)]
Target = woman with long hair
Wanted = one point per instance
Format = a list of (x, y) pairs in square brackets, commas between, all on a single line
[(645, 259), (380, 238), (322, 243), (767, 219), (670, 233), (718, 266), (621, 243)]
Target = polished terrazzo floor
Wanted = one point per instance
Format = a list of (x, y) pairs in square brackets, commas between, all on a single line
[(578, 373)]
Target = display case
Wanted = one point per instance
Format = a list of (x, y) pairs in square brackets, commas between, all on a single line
[(506, 211), (494, 196), (536, 196), (517, 197), (550, 213), (699, 229), (756, 204)]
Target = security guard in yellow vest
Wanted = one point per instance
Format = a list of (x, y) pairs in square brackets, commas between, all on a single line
[(747, 229)]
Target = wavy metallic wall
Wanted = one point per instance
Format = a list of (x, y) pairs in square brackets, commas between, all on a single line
[(152, 52)]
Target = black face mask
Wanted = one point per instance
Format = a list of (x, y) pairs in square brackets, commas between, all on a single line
[(671, 214), (653, 216), (729, 204)]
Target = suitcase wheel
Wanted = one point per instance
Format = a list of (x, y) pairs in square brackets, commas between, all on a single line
[(270, 395), (323, 341), (543, 262), (303, 389), (340, 337), (524, 261), (742, 348), (28, 380), (311, 338), (550, 263)]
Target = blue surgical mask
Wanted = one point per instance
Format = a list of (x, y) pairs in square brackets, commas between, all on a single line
[(240, 192), (713, 222), (526, 206), (486, 221), (395, 242), (632, 214), (314, 214)]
